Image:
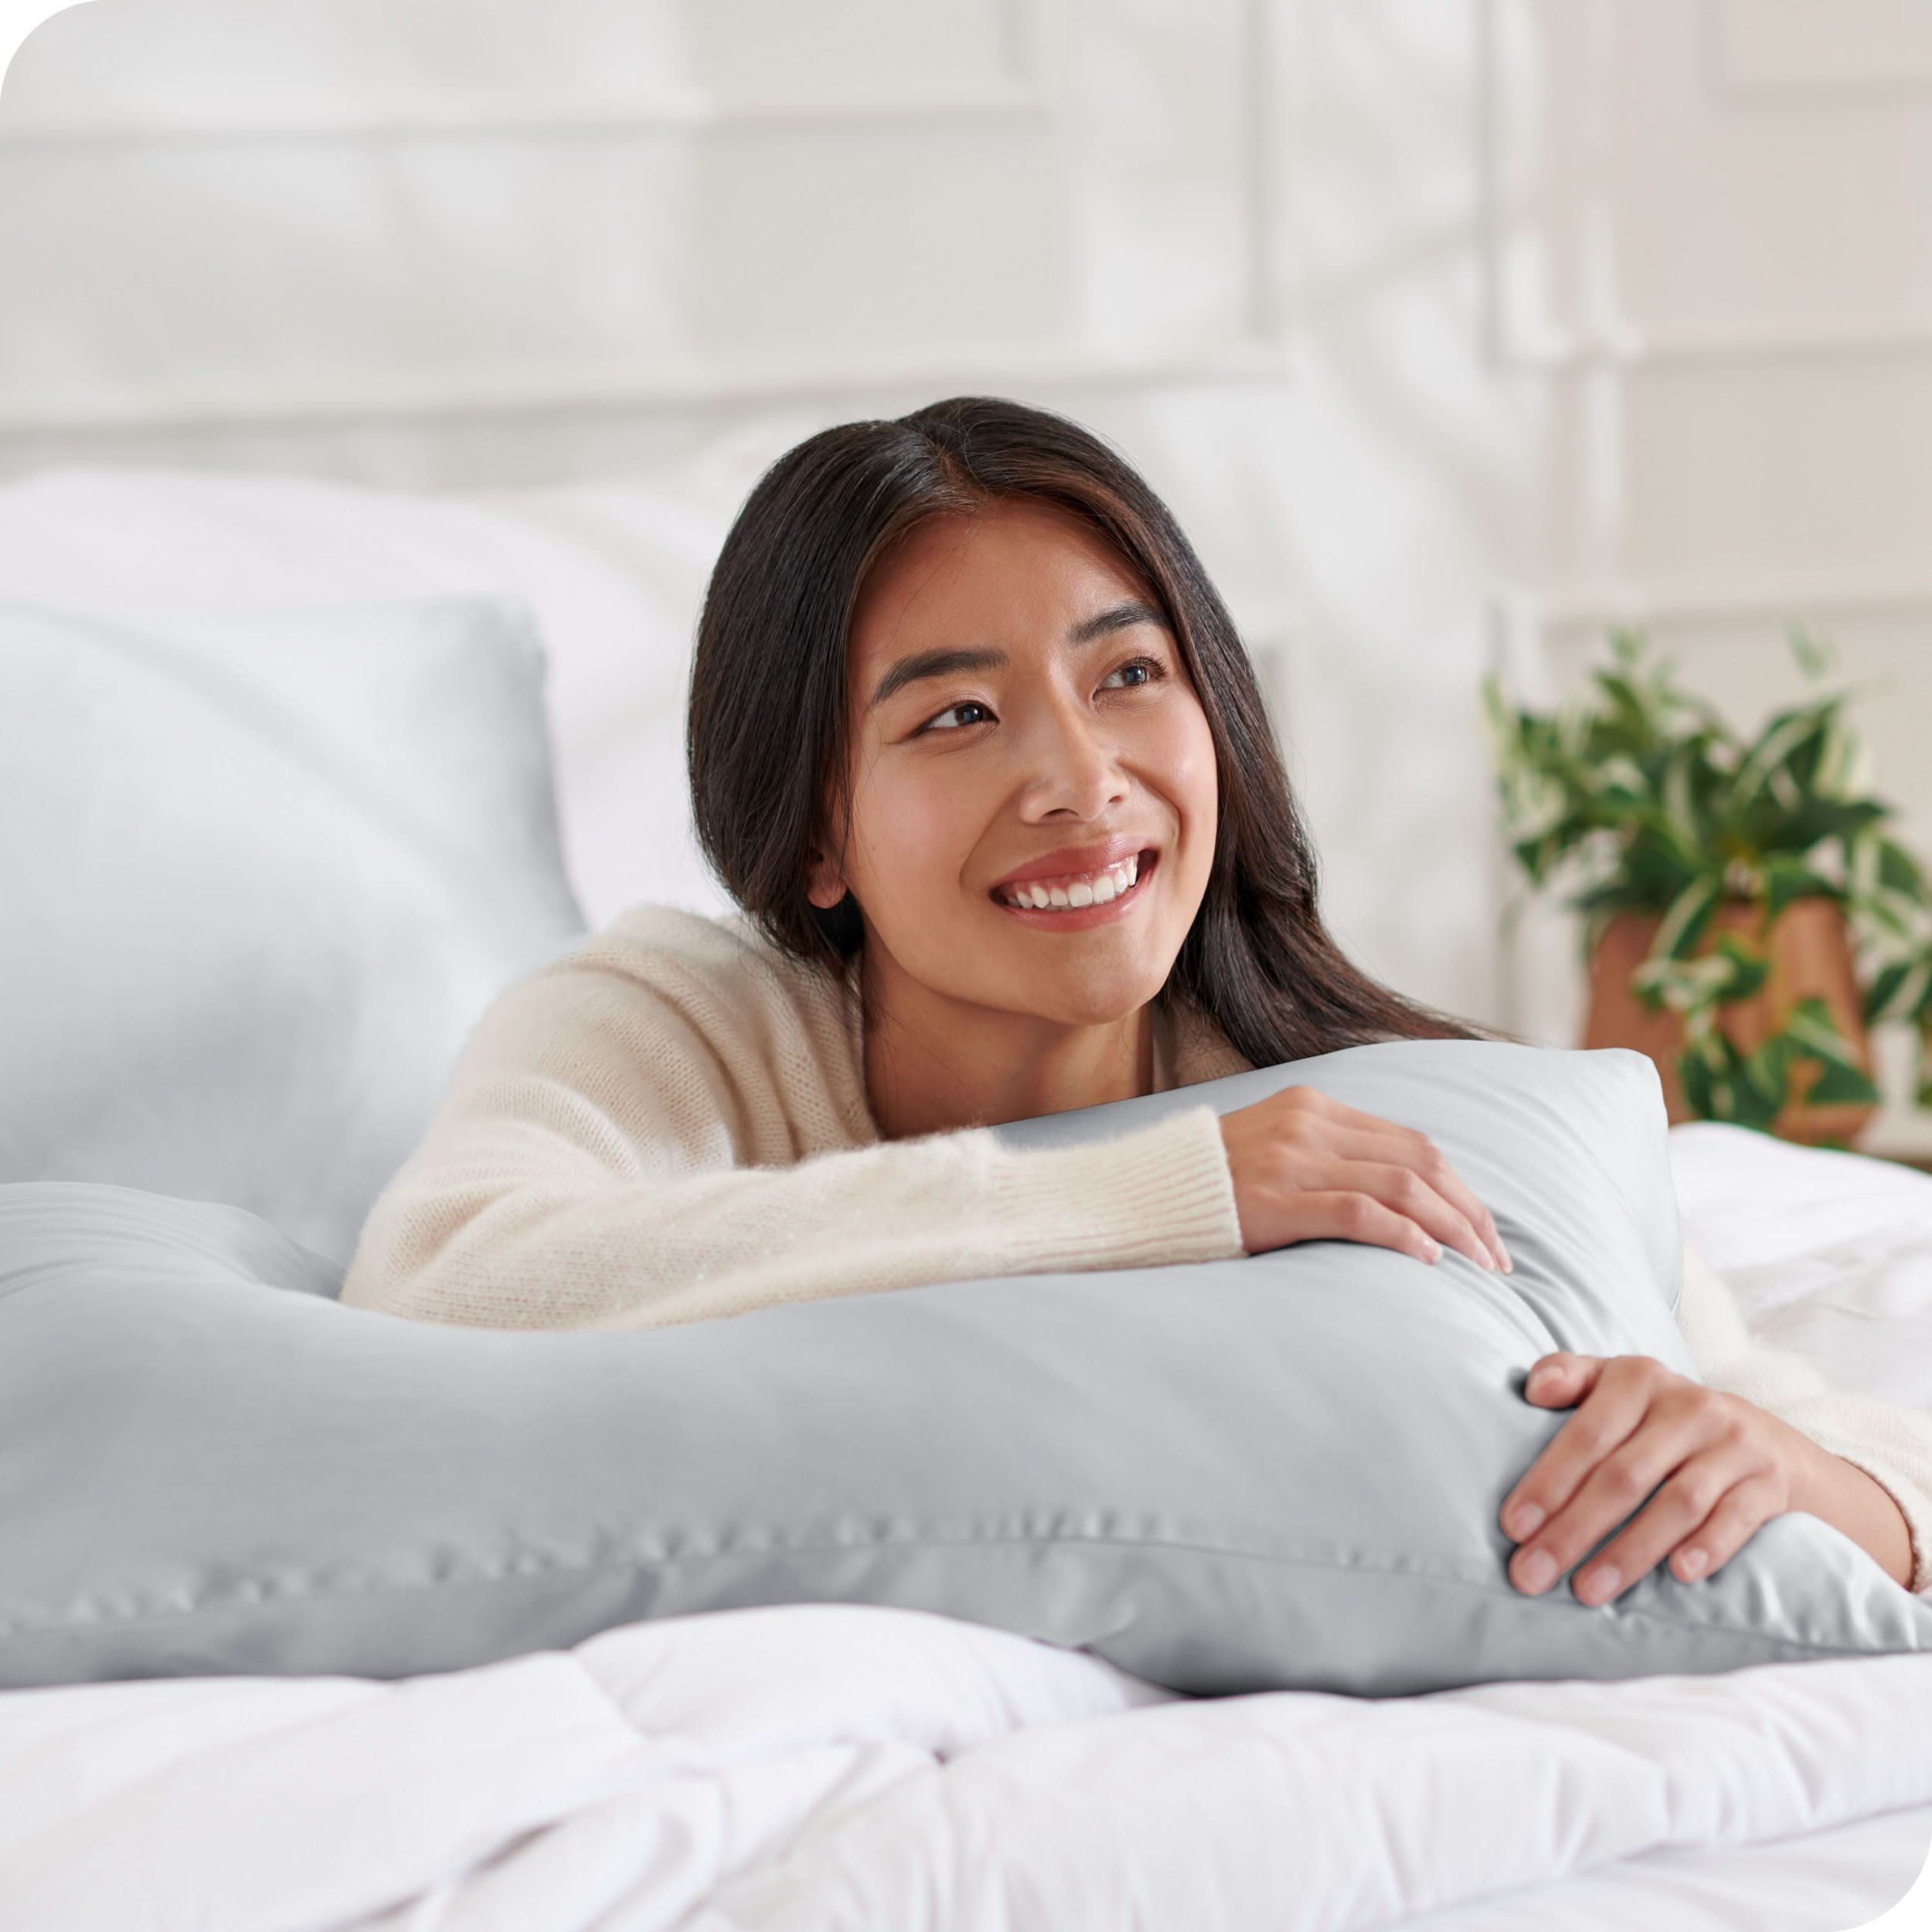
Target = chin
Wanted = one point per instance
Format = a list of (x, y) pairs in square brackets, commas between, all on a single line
[(1089, 1004)]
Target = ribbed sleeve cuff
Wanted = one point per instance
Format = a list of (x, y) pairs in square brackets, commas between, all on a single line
[(1161, 1194)]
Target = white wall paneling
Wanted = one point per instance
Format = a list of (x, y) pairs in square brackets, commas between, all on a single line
[(1858, 49), (1673, 181), (363, 212), (281, 70)]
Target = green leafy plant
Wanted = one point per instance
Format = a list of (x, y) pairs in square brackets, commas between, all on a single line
[(1644, 801)]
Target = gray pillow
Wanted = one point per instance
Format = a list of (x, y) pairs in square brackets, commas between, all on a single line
[(262, 874), (1278, 1472)]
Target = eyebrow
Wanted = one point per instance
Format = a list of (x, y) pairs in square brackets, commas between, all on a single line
[(921, 664)]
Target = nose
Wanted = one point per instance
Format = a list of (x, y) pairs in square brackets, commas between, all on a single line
[(1073, 766)]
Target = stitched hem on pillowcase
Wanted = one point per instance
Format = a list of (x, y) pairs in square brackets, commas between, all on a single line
[(1435, 1579)]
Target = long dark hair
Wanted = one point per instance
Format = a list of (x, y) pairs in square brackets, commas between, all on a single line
[(768, 736)]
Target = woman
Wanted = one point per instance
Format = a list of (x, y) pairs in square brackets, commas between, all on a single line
[(974, 744)]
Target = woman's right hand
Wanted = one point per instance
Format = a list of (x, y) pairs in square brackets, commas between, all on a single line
[(1308, 1168)]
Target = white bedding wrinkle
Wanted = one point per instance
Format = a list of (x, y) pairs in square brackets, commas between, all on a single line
[(1298, 1810), (885, 1769)]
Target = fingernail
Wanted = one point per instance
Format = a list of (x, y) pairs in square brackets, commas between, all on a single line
[(1508, 1266), (1537, 1571), (1600, 1583), (1693, 1562), (1525, 1521), (1433, 1250)]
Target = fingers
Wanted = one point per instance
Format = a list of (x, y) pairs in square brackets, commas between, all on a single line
[(1614, 1395), (1309, 1132), (1356, 1135), (1685, 1519), (1747, 1506), (1404, 1191), (1447, 1182), (1537, 1513), (1639, 1425), (1349, 1215), (1418, 1152), (1563, 1380)]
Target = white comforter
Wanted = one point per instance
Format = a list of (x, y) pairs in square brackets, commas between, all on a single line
[(824, 1766), (816, 1768)]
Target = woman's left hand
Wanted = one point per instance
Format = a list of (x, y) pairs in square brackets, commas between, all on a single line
[(1725, 1465)]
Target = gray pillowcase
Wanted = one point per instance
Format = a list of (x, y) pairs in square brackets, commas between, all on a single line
[(1278, 1472), (262, 874)]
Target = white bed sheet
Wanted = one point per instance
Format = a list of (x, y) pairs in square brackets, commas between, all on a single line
[(811, 1767)]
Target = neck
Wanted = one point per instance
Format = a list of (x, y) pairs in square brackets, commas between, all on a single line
[(932, 1064)]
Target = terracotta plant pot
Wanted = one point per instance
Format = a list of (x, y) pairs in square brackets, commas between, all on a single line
[(1810, 953)]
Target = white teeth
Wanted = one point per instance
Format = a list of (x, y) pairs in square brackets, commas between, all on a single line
[(1099, 890)]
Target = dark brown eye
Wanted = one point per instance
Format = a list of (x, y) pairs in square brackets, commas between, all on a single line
[(969, 704)]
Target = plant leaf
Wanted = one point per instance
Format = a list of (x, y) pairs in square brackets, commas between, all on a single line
[(1840, 1085), (1786, 879), (1694, 1076), (1749, 967), (1813, 654), (1779, 738), (1898, 870), (1683, 924), (1811, 1025), (1899, 991)]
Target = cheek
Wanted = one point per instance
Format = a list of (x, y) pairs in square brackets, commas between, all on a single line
[(1180, 760), (913, 829)]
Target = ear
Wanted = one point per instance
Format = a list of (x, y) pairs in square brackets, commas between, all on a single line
[(825, 884)]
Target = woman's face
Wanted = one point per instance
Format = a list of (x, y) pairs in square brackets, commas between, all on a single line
[(1022, 717)]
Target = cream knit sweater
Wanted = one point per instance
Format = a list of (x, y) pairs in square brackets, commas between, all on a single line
[(668, 1124)]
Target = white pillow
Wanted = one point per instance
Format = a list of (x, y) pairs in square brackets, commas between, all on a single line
[(614, 568), (262, 874)]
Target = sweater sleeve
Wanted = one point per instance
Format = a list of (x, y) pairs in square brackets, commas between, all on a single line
[(1890, 1442), (596, 1164)]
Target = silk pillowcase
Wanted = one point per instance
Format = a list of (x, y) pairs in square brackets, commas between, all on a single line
[(1277, 1472)]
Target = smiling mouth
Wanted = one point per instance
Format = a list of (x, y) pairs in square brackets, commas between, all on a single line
[(1069, 897)]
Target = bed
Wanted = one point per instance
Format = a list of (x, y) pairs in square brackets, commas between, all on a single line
[(832, 1766)]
